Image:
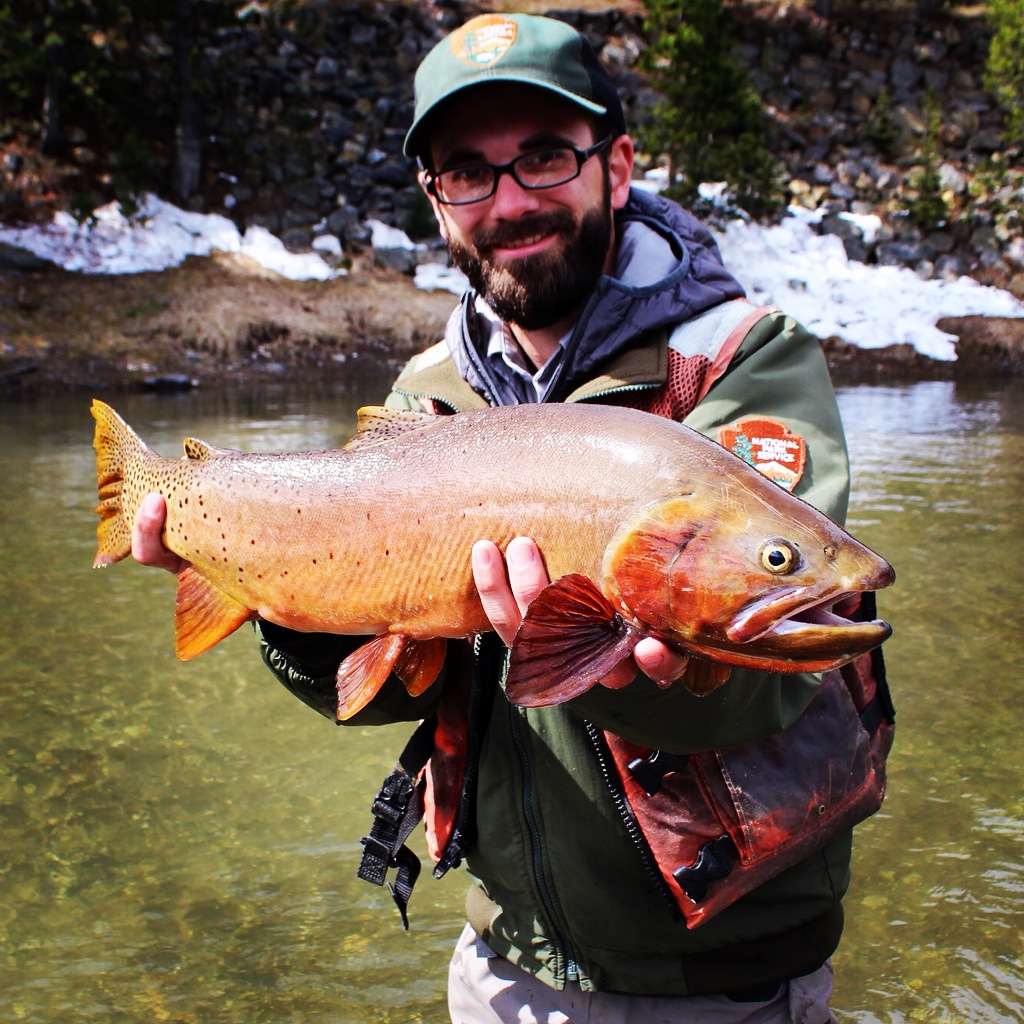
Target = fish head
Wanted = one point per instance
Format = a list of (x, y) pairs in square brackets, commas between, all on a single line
[(753, 579)]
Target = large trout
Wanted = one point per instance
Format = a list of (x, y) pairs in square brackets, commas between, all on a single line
[(647, 528)]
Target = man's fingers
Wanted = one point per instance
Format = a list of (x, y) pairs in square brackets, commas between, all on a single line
[(147, 535), (658, 661), (527, 574), (495, 594), (506, 590)]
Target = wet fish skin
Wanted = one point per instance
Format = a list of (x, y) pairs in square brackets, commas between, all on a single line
[(655, 528)]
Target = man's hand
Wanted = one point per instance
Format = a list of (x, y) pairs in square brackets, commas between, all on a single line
[(508, 585), (147, 536)]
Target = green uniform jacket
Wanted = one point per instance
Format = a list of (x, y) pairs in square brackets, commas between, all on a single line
[(558, 888)]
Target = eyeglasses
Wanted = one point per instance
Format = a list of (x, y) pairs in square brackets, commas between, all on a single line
[(544, 168)]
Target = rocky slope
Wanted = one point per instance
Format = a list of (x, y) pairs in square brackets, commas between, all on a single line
[(305, 120)]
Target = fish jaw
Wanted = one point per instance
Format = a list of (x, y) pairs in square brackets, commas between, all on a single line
[(806, 639), (795, 625), (798, 627)]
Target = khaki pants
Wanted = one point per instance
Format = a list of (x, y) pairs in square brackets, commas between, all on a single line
[(485, 989)]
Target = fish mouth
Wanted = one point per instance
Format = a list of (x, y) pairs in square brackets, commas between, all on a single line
[(796, 627)]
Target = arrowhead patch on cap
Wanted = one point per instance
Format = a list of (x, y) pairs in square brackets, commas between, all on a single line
[(484, 40)]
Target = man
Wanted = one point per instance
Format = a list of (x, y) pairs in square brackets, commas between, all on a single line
[(585, 289)]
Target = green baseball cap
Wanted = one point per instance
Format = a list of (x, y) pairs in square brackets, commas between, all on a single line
[(541, 52)]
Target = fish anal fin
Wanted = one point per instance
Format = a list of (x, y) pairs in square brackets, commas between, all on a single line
[(365, 671), (701, 677), (420, 662), (203, 615), (376, 424), (570, 638)]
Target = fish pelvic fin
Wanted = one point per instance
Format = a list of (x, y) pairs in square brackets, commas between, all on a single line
[(701, 677), (570, 638), (362, 674), (376, 424), (203, 614), (115, 444)]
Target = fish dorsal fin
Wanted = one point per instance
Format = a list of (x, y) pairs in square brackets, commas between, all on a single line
[(196, 449), (569, 640), (376, 424), (203, 615)]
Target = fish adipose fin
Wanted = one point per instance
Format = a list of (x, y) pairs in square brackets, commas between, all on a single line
[(570, 638), (366, 670), (203, 615), (114, 443), (376, 424)]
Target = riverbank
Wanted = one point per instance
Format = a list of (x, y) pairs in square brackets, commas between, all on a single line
[(224, 318)]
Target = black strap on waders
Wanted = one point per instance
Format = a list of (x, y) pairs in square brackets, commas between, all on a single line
[(397, 809)]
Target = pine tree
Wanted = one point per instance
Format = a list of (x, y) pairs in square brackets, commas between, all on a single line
[(709, 123), (1004, 66)]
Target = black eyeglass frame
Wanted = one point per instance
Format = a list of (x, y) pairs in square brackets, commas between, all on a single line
[(497, 170)]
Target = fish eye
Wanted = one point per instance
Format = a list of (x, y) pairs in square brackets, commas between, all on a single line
[(778, 556)]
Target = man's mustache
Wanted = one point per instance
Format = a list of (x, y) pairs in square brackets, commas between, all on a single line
[(510, 235)]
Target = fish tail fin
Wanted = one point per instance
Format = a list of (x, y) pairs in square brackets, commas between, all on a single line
[(114, 443)]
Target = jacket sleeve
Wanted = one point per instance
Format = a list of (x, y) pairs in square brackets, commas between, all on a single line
[(306, 665), (779, 370)]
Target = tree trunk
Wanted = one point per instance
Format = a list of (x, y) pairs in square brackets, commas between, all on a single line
[(53, 140), (188, 152)]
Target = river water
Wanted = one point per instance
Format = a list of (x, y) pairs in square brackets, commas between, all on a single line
[(179, 841)]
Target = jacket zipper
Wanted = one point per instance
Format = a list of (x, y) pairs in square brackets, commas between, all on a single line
[(628, 818), (565, 956)]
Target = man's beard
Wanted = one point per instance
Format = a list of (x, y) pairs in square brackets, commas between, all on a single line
[(537, 291)]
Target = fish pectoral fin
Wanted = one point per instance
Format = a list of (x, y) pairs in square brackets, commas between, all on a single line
[(570, 638), (203, 615), (420, 662), (366, 670), (701, 677), (376, 424)]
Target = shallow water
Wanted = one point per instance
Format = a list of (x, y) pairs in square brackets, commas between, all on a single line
[(180, 840)]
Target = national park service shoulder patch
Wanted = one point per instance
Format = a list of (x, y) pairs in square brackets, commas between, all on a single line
[(769, 446), (484, 40)]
